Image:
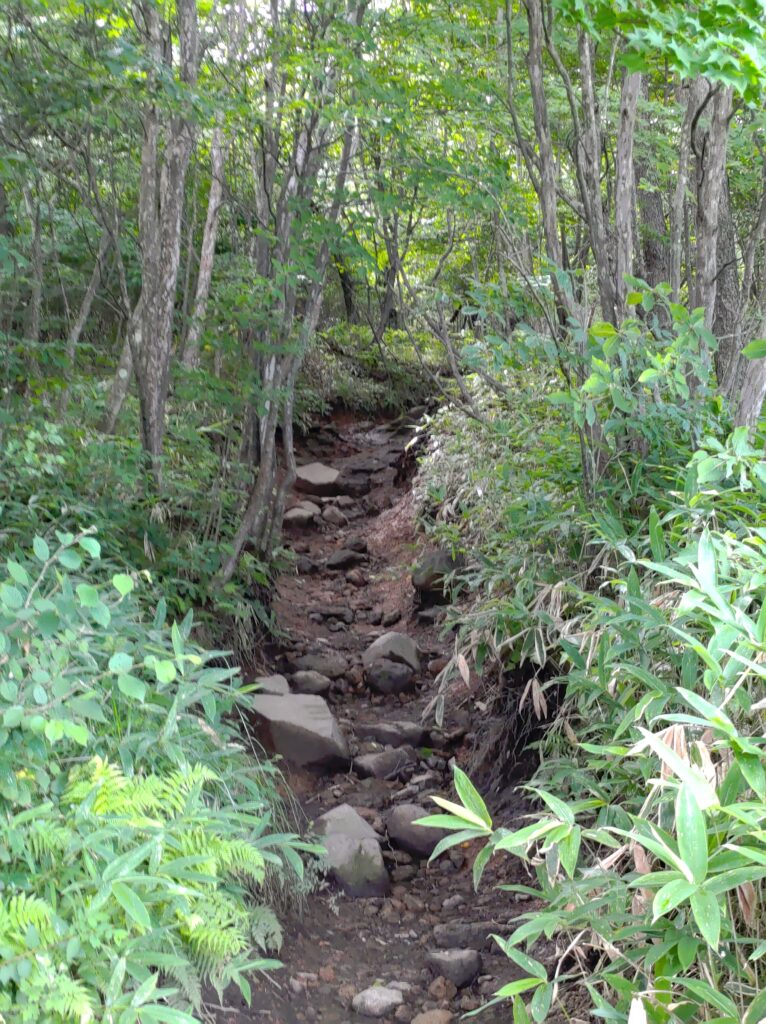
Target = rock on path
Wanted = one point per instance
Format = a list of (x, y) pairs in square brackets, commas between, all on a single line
[(301, 728)]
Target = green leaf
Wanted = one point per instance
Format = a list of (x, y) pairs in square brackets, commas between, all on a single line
[(120, 662), (165, 671), (706, 994), (756, 1012), (671, 896), (41, 549), (122, 583), (514, 988), (470, 797), (13, 717), (18, 572), (11, 597), (132, 904), (88, 595), (91, 545), (755, 349), (70, 559), (707, 914), (132, 687), (692, 833)]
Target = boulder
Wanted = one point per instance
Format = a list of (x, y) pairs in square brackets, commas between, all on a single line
[(386, 676), (301, 728), (393, 734), (384, 764), (316, 478), (415, 839), (395, 647), (429, 576), (329, 664), (345, 558), (377, 1001), (277, 686), (353, 852), (460, 966), (344, 820), (298, 517), (311, 682), (357, 865)]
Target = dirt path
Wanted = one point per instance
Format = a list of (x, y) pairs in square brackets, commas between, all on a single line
[(342, 944)]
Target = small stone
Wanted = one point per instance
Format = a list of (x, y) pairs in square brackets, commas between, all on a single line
[(442, 988), (403, 1014), (344, 559), (311, 682), (377, 1001), (334, 516), (434, 1017), (385, 763), (375, 617), (332, 665), (460, 966), (393, 734), (305, 566), (309, 506), (356, 578), (327, 974), (392, 617)]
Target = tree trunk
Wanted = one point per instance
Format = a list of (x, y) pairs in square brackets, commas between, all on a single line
[(84, 312), (678, 205), (624, 188), (710, 148), (161, 201), (207, 253)]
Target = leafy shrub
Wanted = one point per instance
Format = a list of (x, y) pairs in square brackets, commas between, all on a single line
[(137, 833), (643, 602), (347, 369)]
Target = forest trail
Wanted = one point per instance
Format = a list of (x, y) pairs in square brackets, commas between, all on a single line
[(342, 945)]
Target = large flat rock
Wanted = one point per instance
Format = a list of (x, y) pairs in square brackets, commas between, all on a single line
[(301, 728), (317, 478)]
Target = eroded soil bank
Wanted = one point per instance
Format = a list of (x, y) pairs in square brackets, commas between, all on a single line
[(355, 546)]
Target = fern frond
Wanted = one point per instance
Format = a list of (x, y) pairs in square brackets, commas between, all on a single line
[(70, 1000), (238, 857), (265, 929), (22, 912)]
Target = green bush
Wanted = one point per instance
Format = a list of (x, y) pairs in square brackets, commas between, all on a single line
[(139, 838), (640, 598)]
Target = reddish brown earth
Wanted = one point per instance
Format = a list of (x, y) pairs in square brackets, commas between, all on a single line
[(337, 946)]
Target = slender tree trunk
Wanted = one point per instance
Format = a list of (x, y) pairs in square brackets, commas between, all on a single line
[(161, 201), (82, 316), (122, 377), (592, 144), (711, 180), (207, 253), (624, 213), (678, 205)]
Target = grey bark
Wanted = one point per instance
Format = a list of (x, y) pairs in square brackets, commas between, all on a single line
[(207, 252)]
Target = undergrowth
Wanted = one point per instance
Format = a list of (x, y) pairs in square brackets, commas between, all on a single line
[(142, 846), (615, 525)]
